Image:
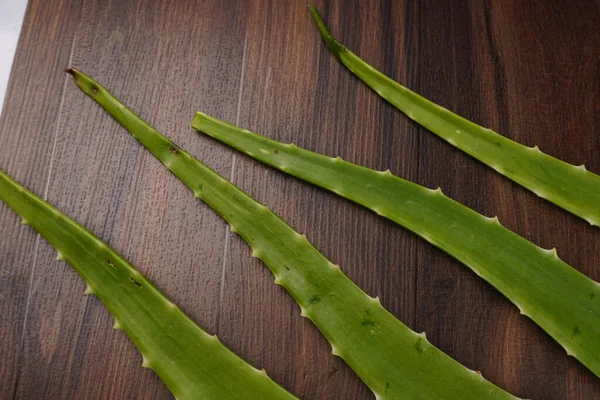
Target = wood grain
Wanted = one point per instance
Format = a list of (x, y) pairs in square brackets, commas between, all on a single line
[(528, 69), (35, 87)]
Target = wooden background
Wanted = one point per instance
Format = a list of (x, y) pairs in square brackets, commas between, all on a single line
[(529, 69)]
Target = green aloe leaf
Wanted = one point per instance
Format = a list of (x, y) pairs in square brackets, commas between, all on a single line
[(192, 363), (571, 187), (564, 302), (394, 361)]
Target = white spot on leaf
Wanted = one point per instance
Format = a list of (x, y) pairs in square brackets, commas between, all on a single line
[(539, 193), (497, 168), (493, 219), (519, 308), (335, 351), (255, 253), (428, 238), (377, 210), (551, 252), (592, 222), (569, 351), (88, 290)]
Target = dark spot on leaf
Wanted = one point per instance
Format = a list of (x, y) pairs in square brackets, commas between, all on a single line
[(367, 311), (592, 295), (314, 299), (136, 283), (417, 346), (367, 322), (286, 267), (173, 149), (110, 264), (576, 331), (94, 89), (276, 152)]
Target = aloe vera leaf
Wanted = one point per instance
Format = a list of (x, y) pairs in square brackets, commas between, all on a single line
[(571, 187), (394, 361), (560, 299), (192, 363)]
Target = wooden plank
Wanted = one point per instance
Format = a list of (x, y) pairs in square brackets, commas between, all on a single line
[(164, 60), (516, 67), (27, 131), (525, 68), (293, 91), (463, 60)]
